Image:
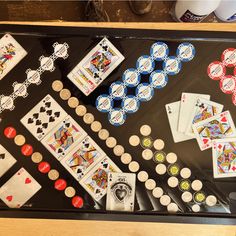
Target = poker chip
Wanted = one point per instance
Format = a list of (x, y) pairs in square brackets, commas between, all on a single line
[(228, 57), (196, 185), (187, 196), (147, 154), (173, 182), (65, 94), (88, 118), (216, 70), (126, 158), (70, 192), (199, 197), (44, 167), (116, 117), (57, 85), (73, 102), (196, 208), (144, 92), (150, 184), (145, 64), (36, 157), (10, 132), (157, 192), (134, 140), (53, 174), (60, 184), (165, 200), (103, 134), (211, 200), (131, 78), (160, 169), (173, 169), (158, 79), (142, 176), (228, 84), (117, 90), (171, 158), (111, 142), (104, 103), (118, 150), (185, 52), (19, 140), (77, 202), (27, 150), (159, 157), (172, 66), (185, 185), (80, 110), (146, 142), (159, 144), (145, 130), (133, 166), (159, 51), (172, 207), (185, 173), (234, 98), (130, 104), (96, 126)]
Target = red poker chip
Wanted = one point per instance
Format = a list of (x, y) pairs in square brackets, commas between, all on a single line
[(60, 184), (216, 70), (77, 202), (10, 132), (234, 98), (234, 71), (27, 150), (228, 84), (228, 57), (44, 167)]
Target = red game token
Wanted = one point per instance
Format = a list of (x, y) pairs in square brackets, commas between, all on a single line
[(44, 167), (228, 84), (77, 202), (229, 57), (27, 150), (234, 71), (10, 132), (216, 70), (234, 98), (60, 184)]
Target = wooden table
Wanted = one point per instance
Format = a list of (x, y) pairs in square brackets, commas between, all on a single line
[(39, 227)]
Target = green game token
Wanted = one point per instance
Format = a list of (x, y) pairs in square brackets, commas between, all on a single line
[(159, 157), (173, 170), (185, 185), (147, 142), (199, 197)]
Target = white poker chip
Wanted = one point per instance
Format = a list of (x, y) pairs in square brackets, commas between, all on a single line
[(147, 154), (172, 207), (142, 176), (173, 182), (20, 89), (185, 52), (134, 140), (159, 51), (228, 84), (216, 70), (6, 103), (158, 144), (165, 200), (130, 104), (145, 64), (117, 90), (126, 158), (118, 150), (61, 50), (196, 185), (161, 169), (145, 130), (185, 173), (111, 142), (171, 158), (116, 117), (144, 92), (211, 200), (131, 78), (104, 103), (187, 196), (103, 134), (150, 184), (157, 192), (33, 76), (158, 79), (47, 63), (172, 66), (196, 208), (133, 166), (229, 57)]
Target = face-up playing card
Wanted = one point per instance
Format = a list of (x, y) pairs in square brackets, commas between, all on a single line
[(43, 117), (203, 110), (6, 160), (121, 192), (11, 53), (82, 158), (64, 137), (188, 100), (19, 189), (217, 127), (172, 110), (95, 181), (224, 158)]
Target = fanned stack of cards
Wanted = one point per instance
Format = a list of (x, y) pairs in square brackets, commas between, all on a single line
[(195, 116)]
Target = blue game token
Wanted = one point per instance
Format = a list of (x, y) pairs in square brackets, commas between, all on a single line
[(144, 92), (131, 77), (117, 117), (159, 51), (172, 65), (130, 104), (158, 79), (185, 52), (117, 90), (145, 64), (104, 103)]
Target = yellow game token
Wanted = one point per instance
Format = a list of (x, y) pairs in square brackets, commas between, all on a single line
[(73, 102), (70, 192), (19, 140), (65, 94), (80, 110), (103, 134), (118, 150), (126, 158), (111, 142), (88, 118), (53, 174), (36, 157), (57, 85), (96, 126)]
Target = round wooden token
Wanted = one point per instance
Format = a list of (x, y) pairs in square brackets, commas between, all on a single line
[(134, 140), (103, 134), (187, 196), (53, 174), (145, 130), (161, 169), (111, 142), (173, 182), (185, 173), (157, 192), (211, 200), (65, 94), (96, 126), (165, 200), (88, 118), (70, 192), (80, 110), (142, 176), (126, 158), (118, 150), (133, 166), (171, 158), (77, 202), (57, 85), (196, 185), (73, 102), (172, 207), (196, 208), (150, 184), (147, 154), (19, 140), (159, 144), (36, 157)]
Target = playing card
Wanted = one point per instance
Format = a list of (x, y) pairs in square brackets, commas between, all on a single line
[(224, 157), (82, 158), (6, 160), (11, 53), (19, 189), (203, 109), (188, 100), (217, 127), (43, 117), (172, 110), (95, 181), (120, 191)]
